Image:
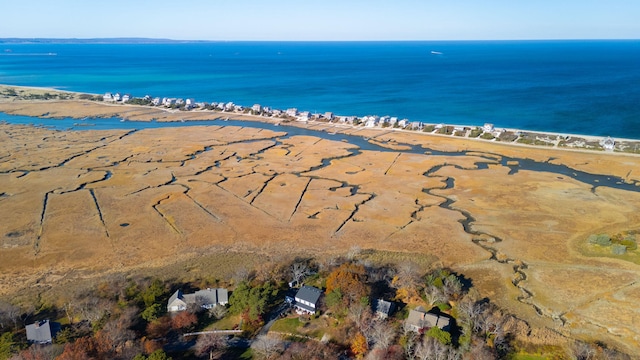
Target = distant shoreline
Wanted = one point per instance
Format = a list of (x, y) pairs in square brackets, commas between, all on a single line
[(538, 139), (142, 40)]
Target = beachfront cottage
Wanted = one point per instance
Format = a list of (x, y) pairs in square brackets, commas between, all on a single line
[(116, 97), (306, 300), (420, 320), (608, 144), (126, 98), (190, 103), (292, 112), (256, 108), (488, 127), (304, 116), (205, 299), (42, 332), (403, 123), (328, 115), (107, 97), (369, 121), (156, 101)]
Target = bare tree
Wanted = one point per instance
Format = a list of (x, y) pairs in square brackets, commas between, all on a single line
[(408, 274), (432, 349), (354, 251), (9, 313), (410, 345), (452, 287), (212, 344), (218, 311), (434, 295), (242, 274), (381, 334), (267, 346), (583, 351), (360, 314), (299, 270), (426, 349)]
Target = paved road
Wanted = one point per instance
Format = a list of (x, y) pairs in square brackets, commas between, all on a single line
[(275, 315)]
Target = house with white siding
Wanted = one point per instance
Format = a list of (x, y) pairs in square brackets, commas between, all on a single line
[(306, 300)]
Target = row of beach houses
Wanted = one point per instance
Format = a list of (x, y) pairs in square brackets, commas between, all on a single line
[(257, 109), (368, 121)]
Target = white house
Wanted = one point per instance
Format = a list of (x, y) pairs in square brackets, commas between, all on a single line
[(257, 108), (304, 116), (608, 143), (116, 97), (306, 300), (369, 121), (126, 98), (488, 127), (107, 97), (190, 103), (292, 112), (156, 101), (328, 115)]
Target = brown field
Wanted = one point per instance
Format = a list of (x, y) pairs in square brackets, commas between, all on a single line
[(80, 204)]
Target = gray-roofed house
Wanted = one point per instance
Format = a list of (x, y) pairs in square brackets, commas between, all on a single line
[(383, 308), (420, 320), (205, 299), (42, 332), (177, 302), (306, 299)]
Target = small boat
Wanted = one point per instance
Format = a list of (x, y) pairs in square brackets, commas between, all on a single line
[(436, 53)]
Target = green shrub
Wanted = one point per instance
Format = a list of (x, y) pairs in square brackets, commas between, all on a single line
[(602, 239), (443, 306), (630, 244), (475, 132), (617, 249), (442, 336), (487, 136)]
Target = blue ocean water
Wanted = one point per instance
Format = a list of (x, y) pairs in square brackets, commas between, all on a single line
[(580, 87)]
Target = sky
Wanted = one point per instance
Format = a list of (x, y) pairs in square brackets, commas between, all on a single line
[(328, 20)]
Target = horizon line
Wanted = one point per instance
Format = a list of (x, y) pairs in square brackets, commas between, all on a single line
[(168, 40)]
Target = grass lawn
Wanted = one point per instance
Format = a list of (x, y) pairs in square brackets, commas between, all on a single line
[(226, 323), (287, 325), (523, 356)]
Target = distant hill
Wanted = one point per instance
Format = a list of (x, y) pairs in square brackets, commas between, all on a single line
[(93, 41)]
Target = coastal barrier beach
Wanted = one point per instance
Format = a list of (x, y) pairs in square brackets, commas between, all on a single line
[(574, 87)]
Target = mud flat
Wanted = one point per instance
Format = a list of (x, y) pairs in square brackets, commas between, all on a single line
[(512, 218)]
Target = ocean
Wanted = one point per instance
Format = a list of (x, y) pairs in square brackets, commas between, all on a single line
[(578, 87)]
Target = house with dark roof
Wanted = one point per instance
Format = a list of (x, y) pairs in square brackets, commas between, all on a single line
[(205, 299), (420, 320), (42, 332), (306, 300)]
